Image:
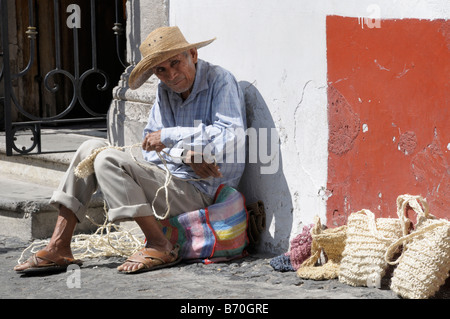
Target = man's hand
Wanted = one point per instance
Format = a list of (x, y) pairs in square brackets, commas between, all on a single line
[(152, 142), (200, 166)]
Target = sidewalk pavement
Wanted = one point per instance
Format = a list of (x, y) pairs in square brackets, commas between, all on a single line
[(248, 278)]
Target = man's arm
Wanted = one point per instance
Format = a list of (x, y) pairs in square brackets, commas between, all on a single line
[(152, 136), (223, 134), (152, 142)]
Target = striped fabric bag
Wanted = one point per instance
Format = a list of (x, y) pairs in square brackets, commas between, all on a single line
[(212, 234)]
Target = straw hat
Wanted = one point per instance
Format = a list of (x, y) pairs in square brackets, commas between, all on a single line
[(160, 45)]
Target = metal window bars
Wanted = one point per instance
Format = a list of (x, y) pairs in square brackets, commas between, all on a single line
[(76, 79)]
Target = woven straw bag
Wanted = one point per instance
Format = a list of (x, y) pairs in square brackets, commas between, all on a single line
[(424, 264), (331, 241), (363, 262)]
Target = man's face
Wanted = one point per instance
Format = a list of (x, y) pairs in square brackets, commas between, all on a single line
[(178, 72)]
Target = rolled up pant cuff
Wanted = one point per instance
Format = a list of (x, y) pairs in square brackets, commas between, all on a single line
[(129, 211), (60, 198)]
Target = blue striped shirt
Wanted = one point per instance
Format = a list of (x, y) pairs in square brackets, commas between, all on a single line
[(211, 120)]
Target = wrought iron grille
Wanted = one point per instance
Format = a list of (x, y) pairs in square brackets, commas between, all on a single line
[(72, 81)]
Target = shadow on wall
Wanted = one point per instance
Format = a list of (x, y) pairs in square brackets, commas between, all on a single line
[(263, 178)]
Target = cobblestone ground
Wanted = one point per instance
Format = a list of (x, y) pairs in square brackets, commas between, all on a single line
[(248, 278)]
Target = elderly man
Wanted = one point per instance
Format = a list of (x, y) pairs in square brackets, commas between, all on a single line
[(198, 110)]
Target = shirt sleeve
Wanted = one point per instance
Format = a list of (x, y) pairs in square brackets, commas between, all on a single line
[(154, 124), (225, 133)]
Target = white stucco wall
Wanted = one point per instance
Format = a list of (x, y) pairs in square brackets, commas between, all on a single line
[(278, 50)]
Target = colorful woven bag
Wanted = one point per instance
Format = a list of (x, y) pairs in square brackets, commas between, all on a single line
[(330, 241), (363, 262), (212, 234), (424, 264)]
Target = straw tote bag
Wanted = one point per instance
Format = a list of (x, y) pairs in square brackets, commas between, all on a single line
[(363, 262), (331, 241), (424, 264)]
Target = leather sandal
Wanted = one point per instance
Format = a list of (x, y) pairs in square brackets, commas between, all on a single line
[(152, 259), (49, 263)]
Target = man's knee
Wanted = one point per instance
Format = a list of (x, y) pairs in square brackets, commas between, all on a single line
[(88, 146), (108, 158)]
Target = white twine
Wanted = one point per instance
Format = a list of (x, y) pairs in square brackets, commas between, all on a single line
[(86, 168), (109, 239)]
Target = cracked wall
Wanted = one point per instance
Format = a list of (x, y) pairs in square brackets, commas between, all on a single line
[(278, 52), (392, 82)]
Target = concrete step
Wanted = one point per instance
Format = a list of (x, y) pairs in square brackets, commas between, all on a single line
[(47, 168), (28, 181), (25, 211)]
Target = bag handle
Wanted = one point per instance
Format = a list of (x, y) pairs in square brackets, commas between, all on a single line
[(392, 248), (402, 202), (373, 226), (372, 223), (316, 250), (416, 202), (420, 206)]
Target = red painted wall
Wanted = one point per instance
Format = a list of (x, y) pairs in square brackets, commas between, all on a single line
[(388, 92)]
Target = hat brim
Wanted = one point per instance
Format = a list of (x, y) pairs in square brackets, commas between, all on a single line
[(143, 70)]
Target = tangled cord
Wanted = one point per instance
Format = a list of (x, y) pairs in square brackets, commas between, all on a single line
[(86, 168), (109, 239)]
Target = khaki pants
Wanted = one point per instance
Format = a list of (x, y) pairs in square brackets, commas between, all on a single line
[(127, 187)]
